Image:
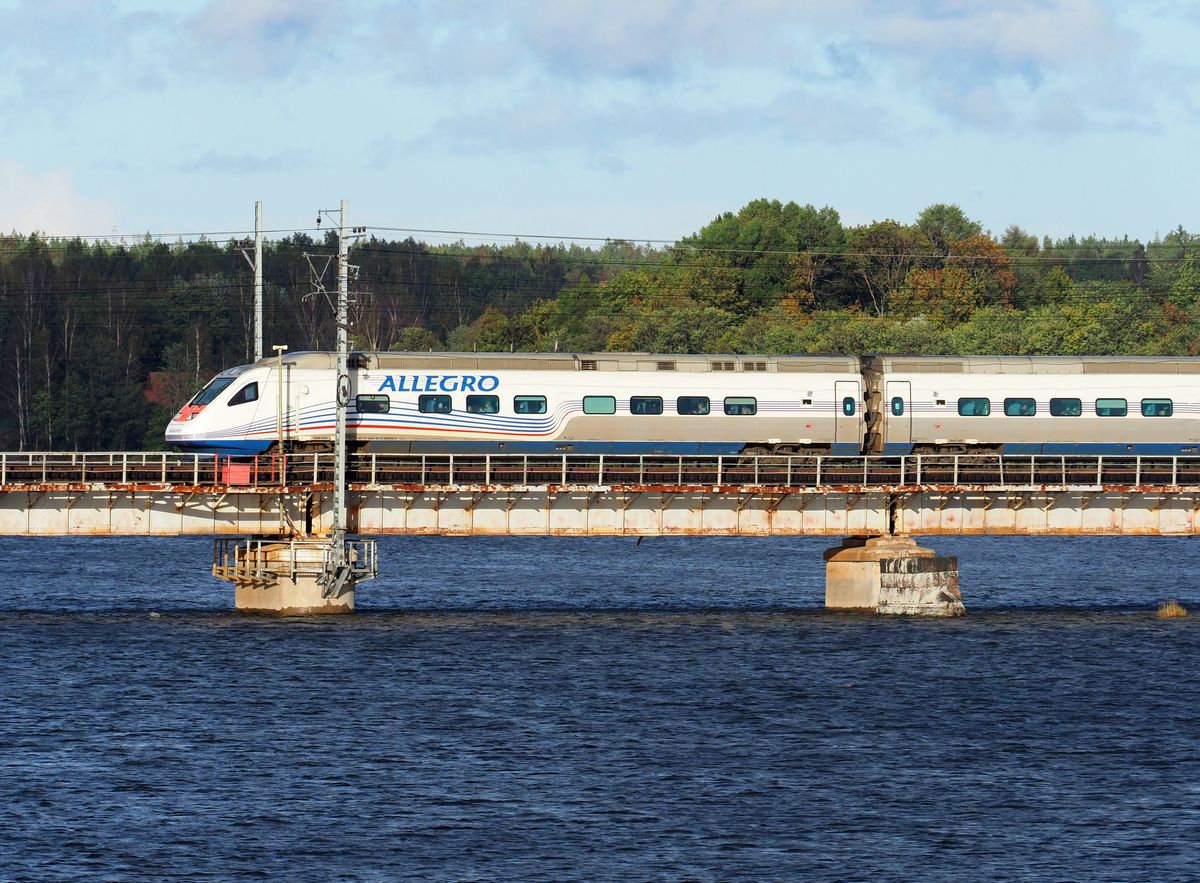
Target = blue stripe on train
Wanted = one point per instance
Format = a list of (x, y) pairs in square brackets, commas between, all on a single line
[(711, 449), (895, 449), (233, 448), (240, 447), (1104, 449), (550, 447)]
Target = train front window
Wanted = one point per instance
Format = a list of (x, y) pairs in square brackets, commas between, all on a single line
[(248, 393), (1111, 407), (210, 392)]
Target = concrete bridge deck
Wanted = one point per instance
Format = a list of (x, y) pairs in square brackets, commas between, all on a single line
[(153, 493)]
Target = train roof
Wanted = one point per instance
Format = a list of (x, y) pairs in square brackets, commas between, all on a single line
[(424, 361), (1035, 364)]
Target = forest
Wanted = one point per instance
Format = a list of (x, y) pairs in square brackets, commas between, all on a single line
[(103, 341)]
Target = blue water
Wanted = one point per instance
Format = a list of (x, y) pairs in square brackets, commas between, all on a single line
[(591, 709)]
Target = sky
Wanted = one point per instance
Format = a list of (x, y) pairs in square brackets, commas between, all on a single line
[(580, 118)]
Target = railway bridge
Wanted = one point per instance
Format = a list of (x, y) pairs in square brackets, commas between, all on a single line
[(269, 514)]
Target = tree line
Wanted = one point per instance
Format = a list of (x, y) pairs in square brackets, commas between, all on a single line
[(102, 342)]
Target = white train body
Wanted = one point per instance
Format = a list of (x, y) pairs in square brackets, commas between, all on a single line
[(536, 403), (1036, 404), (672, 404)]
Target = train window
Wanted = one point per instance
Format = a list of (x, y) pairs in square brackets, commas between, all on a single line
[(646, 405), (210, 392), (1111, 407), (697, 405), (848, 406), (1157, 407), (897, 406), (529, 404), (741, 406), (372, 404), (599, 405), (1066, 407), (974, 407), (1020, 408), (248, 393), (433, 404), (483, 404)]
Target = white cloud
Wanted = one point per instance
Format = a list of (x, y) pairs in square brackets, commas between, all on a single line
[(48, 202), (973, 63), (264, 37), (612, 132)]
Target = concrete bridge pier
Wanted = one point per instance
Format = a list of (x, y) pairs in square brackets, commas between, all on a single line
[(292, 577), (893, 575)]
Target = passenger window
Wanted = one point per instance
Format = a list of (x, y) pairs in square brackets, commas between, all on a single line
[(248, 393), (848, 406), (1157, 407), (1020, 408), (529, 404), (1065, 407), (483, 404), (695, 405), (1111, 407), (599, 405), (433, 404), (974, 407), (372, 404), (646, 405), (741, 406), (897, 407)]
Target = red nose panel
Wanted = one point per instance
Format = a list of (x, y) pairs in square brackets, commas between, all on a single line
[(187, 412)]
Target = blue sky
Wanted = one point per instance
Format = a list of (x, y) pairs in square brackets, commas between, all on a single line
[(585, 118)]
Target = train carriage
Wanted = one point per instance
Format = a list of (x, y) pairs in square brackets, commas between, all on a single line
[(641, 403), (628, 403), (1035, 404)]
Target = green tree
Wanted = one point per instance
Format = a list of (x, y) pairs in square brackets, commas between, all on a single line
[(943, 224)]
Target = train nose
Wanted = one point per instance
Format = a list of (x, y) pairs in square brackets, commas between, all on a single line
[(186, 413)]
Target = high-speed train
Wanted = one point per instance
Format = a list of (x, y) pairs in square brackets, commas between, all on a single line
[(645, 403)]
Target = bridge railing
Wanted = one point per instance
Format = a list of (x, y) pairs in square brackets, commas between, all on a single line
[(157, 468), (772, 471), (135, 468)]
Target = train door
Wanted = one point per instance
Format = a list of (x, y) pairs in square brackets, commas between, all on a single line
[(279, 404), (897, 403), (847, 423)]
